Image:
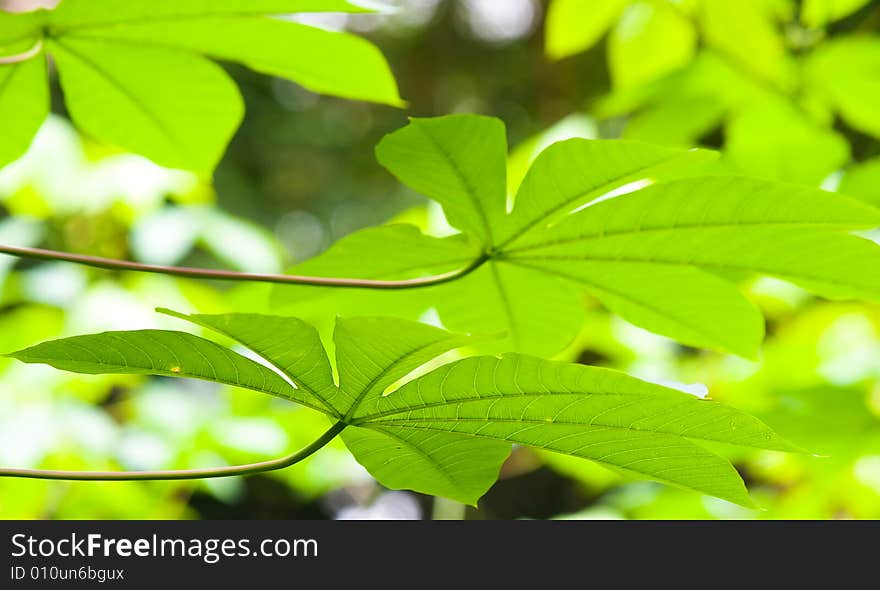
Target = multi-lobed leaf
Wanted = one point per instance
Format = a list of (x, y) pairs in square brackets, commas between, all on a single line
[(659, 255), (134, 76), (447, 431)]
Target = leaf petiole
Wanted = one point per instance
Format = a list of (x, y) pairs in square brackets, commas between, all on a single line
[(182, 474)]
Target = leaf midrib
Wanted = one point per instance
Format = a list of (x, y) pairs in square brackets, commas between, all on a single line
[(470, 191), (599, 190), (586, 426), (589, 237), (452, 402), (646, 474)]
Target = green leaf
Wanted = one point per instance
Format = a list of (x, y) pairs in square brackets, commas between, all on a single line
[(683, 107), (133, 78), (19, 31), (662, 257), (747, 226), (537, 313), (390, 252), (448, 430), (602, 415), (775, 140), (843, 72), (176, 108), (156, 352), (82, 14), (570, 174), (818, 13), (374, 353), (24, 86), (694, 307), (444, 464), (459, 161), (24, 105), (574, 26), (745, 31), (289, 344), (862, 181), (325, 62), (650, 41)]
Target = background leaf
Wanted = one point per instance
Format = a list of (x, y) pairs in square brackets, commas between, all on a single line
[(842, 73), (24, 105), (79, 14), (178, 109), (650, 41), (325, 62)]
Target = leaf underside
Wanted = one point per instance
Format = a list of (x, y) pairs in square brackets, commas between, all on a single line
[(657, 255), (134, 75), (447, 431)]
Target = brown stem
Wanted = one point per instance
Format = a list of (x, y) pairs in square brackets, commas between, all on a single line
[(228, 275)]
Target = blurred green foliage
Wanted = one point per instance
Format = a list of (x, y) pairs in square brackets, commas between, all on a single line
[(787, 89)]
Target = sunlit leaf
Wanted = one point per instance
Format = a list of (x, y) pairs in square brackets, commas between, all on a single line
[(121, 94), (863, 182), (290, 345), (574, 26), (133, 77), (650, 41), (588, 412), (844, 73), (459, 161), (654, 255), (326, 62), (447, 431), (774, 140), (373, 353), (156, 352), (24, 105)]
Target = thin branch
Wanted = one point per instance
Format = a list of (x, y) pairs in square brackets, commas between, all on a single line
[(227, 275), (183, 474), (22, 57)]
